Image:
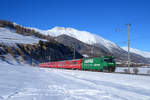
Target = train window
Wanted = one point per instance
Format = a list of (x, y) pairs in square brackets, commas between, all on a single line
[(53, 63), (108, 59), (61, 63), (73, 63)]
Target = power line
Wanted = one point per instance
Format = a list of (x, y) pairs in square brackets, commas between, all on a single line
[(137, 38)]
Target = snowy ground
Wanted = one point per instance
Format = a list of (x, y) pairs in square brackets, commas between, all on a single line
[(142, 70), (32, 83)]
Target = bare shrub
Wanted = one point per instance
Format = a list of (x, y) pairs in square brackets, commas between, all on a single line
[(135, 70), (148, 72), (126, 71)]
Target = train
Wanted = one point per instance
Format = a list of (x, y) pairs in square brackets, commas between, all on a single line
[(102, 64)]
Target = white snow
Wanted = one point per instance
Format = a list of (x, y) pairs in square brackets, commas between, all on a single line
[(83, 36), (142, 70), (10, 36), (142, 53), (33, 83), (85, 55)]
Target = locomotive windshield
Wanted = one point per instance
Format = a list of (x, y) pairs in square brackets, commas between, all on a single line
[(109, 59)]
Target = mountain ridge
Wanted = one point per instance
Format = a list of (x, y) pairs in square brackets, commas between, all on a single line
[(92, 39), (142, 53), (83, 36)]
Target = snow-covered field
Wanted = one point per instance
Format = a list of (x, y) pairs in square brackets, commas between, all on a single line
[(33, 83), (142, 70)]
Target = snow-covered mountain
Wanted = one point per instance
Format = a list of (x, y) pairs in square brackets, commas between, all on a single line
[(101, 46), (85, 43), (83, 36), (142, 53)]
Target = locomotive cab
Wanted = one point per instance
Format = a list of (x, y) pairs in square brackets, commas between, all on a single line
[(109, 63)]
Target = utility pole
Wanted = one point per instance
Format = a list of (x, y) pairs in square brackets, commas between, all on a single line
[(74, 52), (128, 47), (49, 58), (92, 51)]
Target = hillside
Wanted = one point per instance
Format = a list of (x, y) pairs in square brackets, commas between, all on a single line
[(83, 48), (19, 45), (8, 35)]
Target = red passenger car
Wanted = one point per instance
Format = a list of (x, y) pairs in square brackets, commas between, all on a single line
[(68, 64)]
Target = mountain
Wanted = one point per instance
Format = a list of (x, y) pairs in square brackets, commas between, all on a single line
[(94, 50), (89, 44), (20, 45), (142, 53), (61, 42), (84, 36), (83, 48)]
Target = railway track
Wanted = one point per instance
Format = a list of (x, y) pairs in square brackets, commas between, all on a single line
[(115, 72), (107, 72), (131, 73)]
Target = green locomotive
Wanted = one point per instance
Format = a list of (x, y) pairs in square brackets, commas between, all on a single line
[(106, 64)]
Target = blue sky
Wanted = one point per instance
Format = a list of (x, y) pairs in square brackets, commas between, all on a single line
[(106, 18)]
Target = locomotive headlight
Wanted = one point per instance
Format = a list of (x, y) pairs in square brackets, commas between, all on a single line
[(110, 64)]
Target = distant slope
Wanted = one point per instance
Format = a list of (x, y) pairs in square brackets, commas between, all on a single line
[(142, 53)]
